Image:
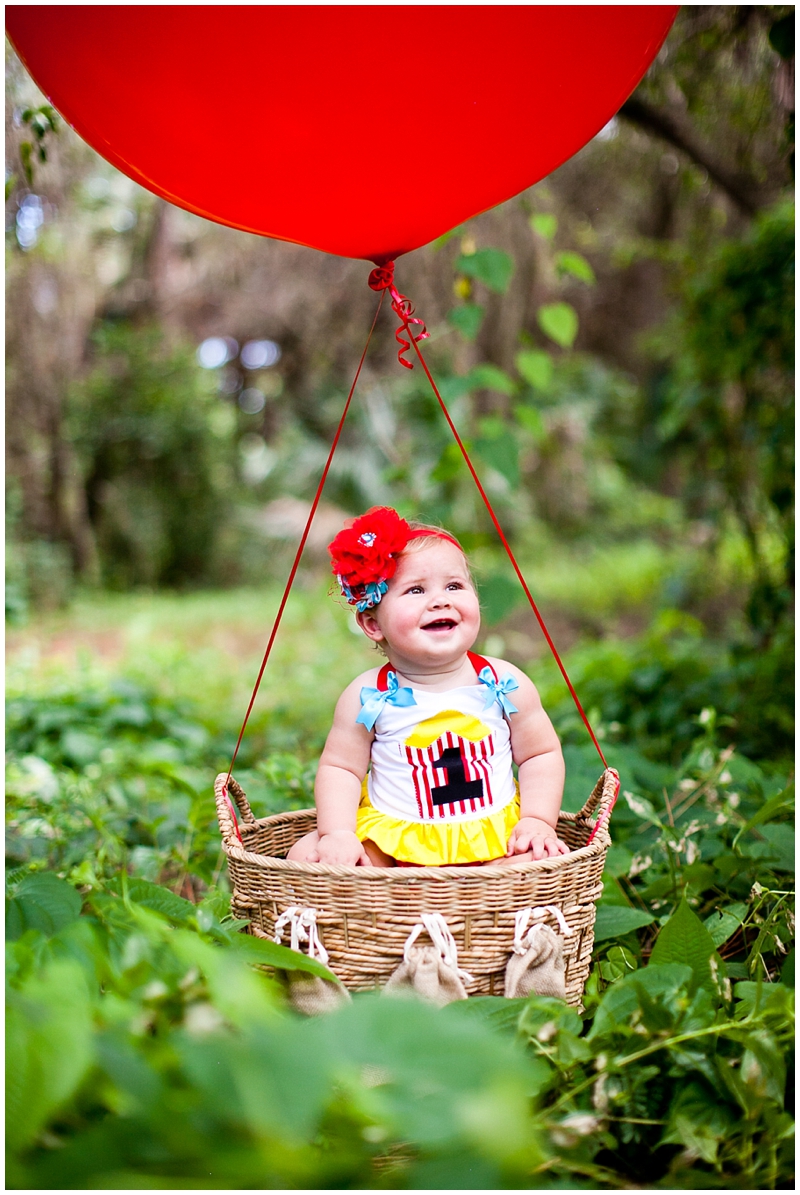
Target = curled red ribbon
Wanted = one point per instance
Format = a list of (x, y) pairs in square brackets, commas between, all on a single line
[(382, 278)]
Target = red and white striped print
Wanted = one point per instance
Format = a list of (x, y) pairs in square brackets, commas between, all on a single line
[(477, 759)]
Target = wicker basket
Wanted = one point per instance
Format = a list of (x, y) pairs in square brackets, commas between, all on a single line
[(365, 914)]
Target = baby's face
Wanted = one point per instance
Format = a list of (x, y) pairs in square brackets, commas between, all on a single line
[(430, 614)]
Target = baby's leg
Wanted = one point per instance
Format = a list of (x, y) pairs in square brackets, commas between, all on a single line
[(305, 851), (527, 857), (377, 857)]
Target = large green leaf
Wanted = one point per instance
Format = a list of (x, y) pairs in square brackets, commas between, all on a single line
[(776, 849), (576, 265), (48, 1047), (622, 999), (722, 923), (536, 367), (684, 939), (559, 321), (42, 901), (265, 953), (492, 267), (782, 800), (615, 920), (156, 898)]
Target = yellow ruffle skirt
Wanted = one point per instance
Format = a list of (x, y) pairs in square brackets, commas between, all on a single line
[(437, 845)]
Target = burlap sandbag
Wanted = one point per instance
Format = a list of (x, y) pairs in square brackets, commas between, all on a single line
[(540, 969), (311, 995), (430, 971)]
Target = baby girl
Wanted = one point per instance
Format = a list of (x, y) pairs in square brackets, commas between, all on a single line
[(417, 768)]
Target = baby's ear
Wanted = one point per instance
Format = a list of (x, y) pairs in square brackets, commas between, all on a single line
[(368, 623)]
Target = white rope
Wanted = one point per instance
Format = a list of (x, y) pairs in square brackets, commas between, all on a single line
[(302, 928), (439, 932), (536, 913)]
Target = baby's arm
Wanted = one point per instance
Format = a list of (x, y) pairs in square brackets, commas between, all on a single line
[(337, 790), (537, 753)]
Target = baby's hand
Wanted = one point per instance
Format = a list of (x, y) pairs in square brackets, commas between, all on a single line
[(341, 848), (537, 836)]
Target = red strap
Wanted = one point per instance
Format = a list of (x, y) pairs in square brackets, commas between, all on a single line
[(383, 678), (302, 543), (479, 663), (404, 318)]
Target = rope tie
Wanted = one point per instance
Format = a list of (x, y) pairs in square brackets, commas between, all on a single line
[(302, 925), (537, 913), (382, 278), (439, 933)]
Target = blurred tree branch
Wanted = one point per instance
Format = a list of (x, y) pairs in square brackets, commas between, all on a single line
[(675, 127)]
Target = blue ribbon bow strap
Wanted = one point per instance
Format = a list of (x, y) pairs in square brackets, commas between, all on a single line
[(373, 700), (499, 690)]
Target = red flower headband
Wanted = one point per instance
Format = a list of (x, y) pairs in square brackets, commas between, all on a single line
[(364, 555)]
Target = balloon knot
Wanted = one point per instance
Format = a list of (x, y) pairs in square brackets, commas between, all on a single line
[(382, 277)]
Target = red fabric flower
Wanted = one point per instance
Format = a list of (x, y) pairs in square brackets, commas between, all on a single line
[(366, 552)]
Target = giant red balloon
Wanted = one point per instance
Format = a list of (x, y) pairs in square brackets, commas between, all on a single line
[(361, 130)]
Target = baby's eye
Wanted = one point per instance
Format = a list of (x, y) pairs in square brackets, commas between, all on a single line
[(415, 589), (455, 585)]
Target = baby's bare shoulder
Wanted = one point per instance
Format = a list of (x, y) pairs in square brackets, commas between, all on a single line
[(525, 697), (504, 668), (351, 695)]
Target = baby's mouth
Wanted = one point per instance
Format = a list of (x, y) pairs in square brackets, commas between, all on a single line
[(440, 624)]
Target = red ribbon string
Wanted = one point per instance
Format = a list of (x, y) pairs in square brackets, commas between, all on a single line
[(382, 278), (501, 533), (302, 543), (233, 813), (606, 817)]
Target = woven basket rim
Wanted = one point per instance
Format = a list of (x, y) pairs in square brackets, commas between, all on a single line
[(405, 875)]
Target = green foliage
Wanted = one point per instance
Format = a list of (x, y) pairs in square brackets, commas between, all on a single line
[(467, 319), (180, 1043), (157, 451), (42, 122), (41, 901), (536, 367), (576, 265), (497, 448), (499, 595), (655, 686), (685, 940), (144, 1050), (723, 416), (492, 267), (545, 223), (559, 321)]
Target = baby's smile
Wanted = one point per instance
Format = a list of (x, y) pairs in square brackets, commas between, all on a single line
[(439, 625)]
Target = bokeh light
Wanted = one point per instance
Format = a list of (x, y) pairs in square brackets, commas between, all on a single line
[(260, 354), (215, 351), (30, 219), (252, 401)]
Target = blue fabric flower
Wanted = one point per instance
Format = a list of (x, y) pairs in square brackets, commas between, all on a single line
[(499, 690), (373, 592), (373, 700)]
